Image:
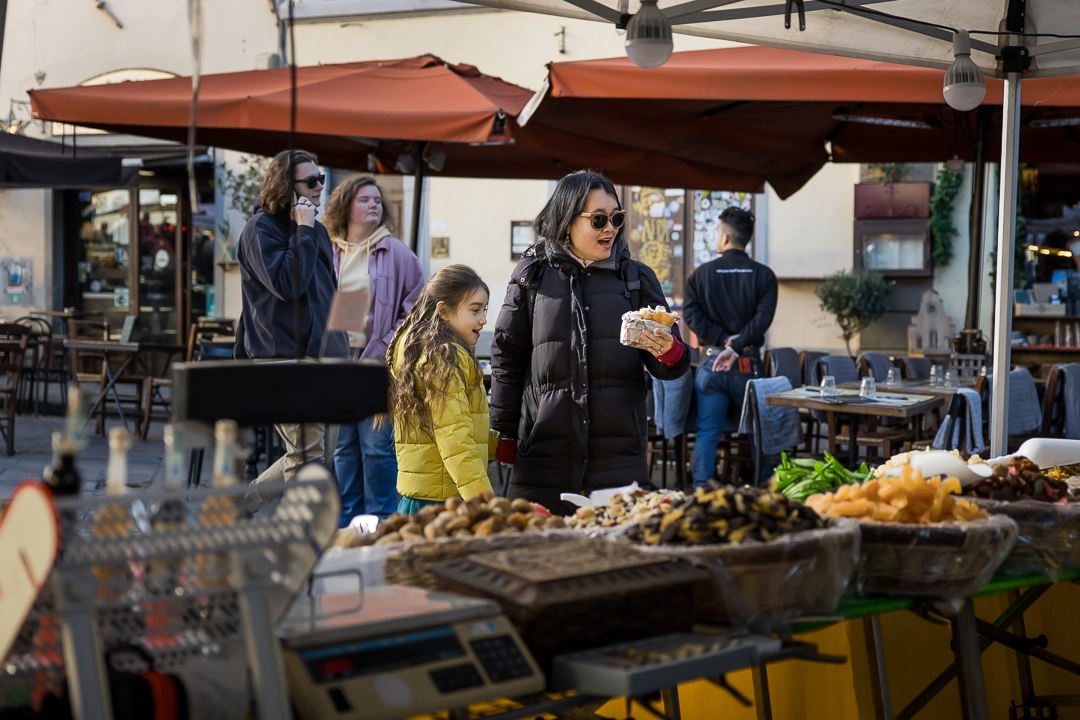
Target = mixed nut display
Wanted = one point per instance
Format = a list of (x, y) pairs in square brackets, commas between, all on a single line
[(482, 515), (1021, 479)]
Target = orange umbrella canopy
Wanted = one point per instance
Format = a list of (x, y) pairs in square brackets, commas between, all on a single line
[(346, 113), (776, 113)]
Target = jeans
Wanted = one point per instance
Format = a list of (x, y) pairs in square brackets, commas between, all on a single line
[(366, 467), (718, 394)]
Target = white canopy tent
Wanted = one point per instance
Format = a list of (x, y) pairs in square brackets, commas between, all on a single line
[(1009, 39)]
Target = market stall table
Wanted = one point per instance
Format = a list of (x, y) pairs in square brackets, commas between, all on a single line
[(886, 404)]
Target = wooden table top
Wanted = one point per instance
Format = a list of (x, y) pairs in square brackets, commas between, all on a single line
[(887, 404)]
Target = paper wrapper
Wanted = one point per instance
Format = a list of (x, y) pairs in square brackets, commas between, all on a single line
[(633, 325)]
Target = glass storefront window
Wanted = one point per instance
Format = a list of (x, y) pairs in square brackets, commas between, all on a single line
[(158, 235), (104, 256)]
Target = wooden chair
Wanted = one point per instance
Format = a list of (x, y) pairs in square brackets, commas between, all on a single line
[(43, 365), (12, 357), (156, 386), (814, 432)]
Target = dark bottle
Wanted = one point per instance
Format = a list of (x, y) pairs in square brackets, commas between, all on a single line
[(62, 476)]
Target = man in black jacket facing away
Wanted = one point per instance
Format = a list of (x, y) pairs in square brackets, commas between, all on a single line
[(730, 304)]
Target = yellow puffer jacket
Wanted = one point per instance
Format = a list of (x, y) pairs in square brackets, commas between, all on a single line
[(455, 461)]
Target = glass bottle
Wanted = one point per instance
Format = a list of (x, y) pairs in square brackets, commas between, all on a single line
[(62, 476), (226, 452), (116, 472)]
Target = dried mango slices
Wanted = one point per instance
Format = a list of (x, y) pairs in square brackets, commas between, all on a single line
[(909, 498)]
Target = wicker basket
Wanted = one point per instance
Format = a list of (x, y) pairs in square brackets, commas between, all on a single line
[(410, 563), (946, 560), (766, 585), (579, 594), (1048, 542)]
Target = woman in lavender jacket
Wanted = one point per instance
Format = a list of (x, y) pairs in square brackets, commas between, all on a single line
[(368, 257)]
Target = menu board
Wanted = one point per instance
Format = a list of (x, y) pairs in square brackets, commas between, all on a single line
[(656, 234)]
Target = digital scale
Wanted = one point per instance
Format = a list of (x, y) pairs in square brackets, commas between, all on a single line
[(393, 652)]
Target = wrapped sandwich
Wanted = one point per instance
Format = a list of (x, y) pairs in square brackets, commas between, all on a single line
[(645, 320)]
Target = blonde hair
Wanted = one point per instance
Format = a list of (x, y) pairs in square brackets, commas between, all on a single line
[(276, 191), (430, 348), (339, 206)]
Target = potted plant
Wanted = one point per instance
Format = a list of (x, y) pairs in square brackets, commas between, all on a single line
[(855, 298)]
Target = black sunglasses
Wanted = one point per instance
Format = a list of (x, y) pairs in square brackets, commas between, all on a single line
[(313, 181), (599, 220)]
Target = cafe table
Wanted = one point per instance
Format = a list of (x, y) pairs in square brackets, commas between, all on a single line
[(126, 354), (886, 404)]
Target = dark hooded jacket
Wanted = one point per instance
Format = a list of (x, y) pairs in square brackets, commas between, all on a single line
[(563, 385)]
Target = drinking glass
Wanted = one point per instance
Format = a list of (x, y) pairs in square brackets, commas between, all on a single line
[(893, 378), (867, 389), (935, 375), (952, 380), (828, 386)]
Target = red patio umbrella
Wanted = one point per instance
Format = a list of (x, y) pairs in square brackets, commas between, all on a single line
[(772, 112), (382, 108)]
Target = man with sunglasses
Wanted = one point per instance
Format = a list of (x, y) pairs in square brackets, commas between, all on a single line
[(287, 273), (730, 303)]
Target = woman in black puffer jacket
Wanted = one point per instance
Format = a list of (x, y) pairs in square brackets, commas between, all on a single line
[(566, 396)]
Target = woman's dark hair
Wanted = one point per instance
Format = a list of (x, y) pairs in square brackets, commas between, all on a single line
[(741, 224), (276, 191), (552, 225)]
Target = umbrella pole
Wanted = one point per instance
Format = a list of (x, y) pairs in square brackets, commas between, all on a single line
[(1010, 160), (418, 197), (975, 219)]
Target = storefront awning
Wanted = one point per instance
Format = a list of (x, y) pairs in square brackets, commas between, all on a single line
[(29, 163)]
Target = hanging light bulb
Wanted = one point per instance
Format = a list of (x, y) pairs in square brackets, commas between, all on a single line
[(964, 86), (648, 36)]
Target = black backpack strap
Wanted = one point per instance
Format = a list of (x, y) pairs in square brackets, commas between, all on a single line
[(633, 284), (531, 281)]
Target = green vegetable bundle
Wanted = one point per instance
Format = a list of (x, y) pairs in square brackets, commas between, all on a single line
[(799, 478)]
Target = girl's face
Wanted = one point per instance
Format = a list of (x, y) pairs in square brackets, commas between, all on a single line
[(588, 243), (469, 318), (367, 208)]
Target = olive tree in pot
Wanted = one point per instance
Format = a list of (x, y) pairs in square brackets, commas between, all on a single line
[(855, 298)]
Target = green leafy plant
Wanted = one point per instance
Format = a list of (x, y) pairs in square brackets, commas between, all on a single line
[(941, 211), (855, 298), (891, 172), (241, 190)]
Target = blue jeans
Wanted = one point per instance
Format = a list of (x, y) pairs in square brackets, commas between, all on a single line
[(366, 468), (718, 394)]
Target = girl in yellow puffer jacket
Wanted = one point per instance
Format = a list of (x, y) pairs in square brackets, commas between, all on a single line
[(439, 406)]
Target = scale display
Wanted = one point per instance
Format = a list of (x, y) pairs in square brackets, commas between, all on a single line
[(382, 654)]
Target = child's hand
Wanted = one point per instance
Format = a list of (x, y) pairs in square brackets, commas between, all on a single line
[(506, 452)]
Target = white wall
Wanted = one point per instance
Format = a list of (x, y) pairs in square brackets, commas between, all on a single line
[(951, 281), (23, 233)]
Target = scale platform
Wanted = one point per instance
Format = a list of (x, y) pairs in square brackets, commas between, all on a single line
[(635, 668), (393, 652)]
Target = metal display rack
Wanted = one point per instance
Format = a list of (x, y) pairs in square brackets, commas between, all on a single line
[(176, 575)]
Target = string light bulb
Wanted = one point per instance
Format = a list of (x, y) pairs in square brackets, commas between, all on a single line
[(964, 87)]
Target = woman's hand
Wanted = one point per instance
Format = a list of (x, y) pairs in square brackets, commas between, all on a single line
[(655, 343)]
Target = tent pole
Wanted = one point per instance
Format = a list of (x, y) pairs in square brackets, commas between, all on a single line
[(418, 197), (975, 220), (1010, 160)]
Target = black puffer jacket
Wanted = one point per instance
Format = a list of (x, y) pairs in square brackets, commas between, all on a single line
[(563, 385)]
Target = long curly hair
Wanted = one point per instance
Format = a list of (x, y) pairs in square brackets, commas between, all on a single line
[(339, 206), (276, 191), (431, 348)]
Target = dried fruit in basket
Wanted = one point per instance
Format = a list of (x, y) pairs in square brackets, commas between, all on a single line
[(1020, 479), (726, 515), (626, 509), (909, 498)]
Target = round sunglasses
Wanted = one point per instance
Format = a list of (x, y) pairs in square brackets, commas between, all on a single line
[(599, 220), (312, 181)]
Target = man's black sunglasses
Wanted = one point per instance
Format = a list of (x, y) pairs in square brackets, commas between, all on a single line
[(313, 181)]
